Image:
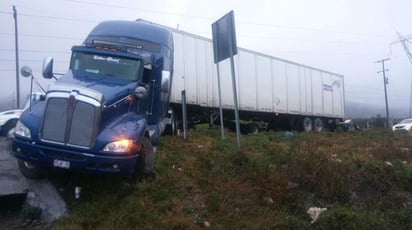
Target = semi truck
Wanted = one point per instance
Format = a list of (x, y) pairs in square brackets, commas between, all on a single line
[(107, 111), (123, 87)]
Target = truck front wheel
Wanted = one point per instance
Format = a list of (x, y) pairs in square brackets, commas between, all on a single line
[(8, 129), (29, 170), (145, 163)]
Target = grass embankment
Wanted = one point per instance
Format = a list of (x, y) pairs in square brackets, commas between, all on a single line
[(364, 179)]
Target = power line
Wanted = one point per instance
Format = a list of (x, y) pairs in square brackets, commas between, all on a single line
[(241, 35), (58, 18), (315, 29), (254, 36), (29, 60), (398, 98), (244, 22), (194, 16), (5, 12), (35, 51), (300, 52), (374, 93), (139, 9), (53, 17), (327, 52), (42, 36), (307, 40), (203, 18)]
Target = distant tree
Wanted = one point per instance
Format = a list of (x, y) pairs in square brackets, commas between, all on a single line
[(379, 122)]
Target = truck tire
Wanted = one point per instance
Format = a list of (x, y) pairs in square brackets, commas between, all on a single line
[(307, 124), (171, 129), (145, 163), (8, 129), (252, 128), (29, 170), (317, 125)]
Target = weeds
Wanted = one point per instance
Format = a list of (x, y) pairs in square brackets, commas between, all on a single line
[(364, 179), (30, 213)]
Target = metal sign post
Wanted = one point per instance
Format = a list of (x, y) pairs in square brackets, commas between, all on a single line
[(224, 46), (184, 113), (232, 66), (222, 130)]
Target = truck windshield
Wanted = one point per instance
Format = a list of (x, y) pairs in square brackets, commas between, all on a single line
[(123, 68)]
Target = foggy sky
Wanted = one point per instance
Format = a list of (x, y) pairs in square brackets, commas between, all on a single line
[(342, 36)]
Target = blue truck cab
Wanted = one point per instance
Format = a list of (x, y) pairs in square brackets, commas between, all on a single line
[(110, 108)]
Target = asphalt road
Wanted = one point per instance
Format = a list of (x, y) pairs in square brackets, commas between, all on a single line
[(17, 191)]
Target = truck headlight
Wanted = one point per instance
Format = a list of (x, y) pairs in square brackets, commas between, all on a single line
[(118, 146), (22, 130)]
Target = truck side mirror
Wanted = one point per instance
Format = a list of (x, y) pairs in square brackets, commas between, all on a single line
[(165, 81), (148, 66), (26, 71), (48, 68), (140, 92)]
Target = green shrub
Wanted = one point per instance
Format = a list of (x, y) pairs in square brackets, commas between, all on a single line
[(340, 217)]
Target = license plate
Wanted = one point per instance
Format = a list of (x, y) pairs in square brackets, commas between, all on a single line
[(61, 164)]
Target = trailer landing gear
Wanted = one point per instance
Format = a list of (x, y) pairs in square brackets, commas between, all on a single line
[(173, 126)]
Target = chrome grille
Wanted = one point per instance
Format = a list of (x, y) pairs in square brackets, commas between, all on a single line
[(55, 120), (71, 119), (81, 131)]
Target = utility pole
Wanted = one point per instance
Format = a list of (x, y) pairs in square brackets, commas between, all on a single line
[(410, 103), (16, 42), (385, 82), (405, 42)]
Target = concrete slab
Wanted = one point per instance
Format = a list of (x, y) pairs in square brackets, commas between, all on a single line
[(11, 180), (40, 193)]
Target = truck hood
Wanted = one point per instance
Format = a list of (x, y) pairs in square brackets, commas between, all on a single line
[(112, 88)]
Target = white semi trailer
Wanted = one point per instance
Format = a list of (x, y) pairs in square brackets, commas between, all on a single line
[(275, 92)]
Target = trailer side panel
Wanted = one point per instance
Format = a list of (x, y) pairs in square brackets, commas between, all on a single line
[(264, 83)]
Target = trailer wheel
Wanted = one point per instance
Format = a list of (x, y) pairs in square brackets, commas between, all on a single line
[(307, 124), (29, 170), (317, 125), (252, 128), (145, 163)]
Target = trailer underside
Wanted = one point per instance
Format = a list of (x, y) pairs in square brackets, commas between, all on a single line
[(252, 121)]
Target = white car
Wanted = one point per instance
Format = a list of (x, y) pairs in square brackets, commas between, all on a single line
[(405, 124), (9, 118)]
